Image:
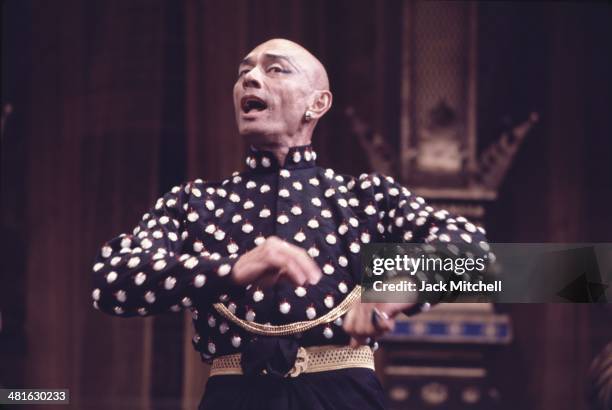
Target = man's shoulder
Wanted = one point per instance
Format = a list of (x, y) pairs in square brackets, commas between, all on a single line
[(202, 183), (363, 180), (198, 186)]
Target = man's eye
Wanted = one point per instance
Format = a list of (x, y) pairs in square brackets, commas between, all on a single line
[(276, 69), (243, 72)]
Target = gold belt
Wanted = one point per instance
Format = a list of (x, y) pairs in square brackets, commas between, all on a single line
[(291, 328), (308, 360)]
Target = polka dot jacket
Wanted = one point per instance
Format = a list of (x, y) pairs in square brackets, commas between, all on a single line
[(182, 252)]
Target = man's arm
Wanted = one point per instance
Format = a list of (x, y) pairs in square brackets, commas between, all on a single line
[(149, 272), (405, 217), (408, 218)]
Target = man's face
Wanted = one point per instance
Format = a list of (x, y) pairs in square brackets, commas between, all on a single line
[(272, 91)]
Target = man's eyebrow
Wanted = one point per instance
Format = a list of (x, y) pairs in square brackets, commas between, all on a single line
[(281, 57), (249, 60)]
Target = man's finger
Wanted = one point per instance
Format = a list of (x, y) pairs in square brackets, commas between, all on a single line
[(306, 263), (348, 321), (312, 270), (295, 273), (378, 318), (381, 321), (289, 265), (357, 341), (363, 320), (386, 326), (268, 279)]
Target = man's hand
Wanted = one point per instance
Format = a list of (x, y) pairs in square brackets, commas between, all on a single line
[(275, 259), (361, 323)]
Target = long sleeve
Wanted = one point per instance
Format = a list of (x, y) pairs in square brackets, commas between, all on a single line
[(406, 217), (156, 268)]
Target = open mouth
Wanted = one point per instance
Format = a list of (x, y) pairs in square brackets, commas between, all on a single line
[(250, 103)]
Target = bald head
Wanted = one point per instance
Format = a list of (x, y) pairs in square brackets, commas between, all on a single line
[(281, 92), (302, 58)]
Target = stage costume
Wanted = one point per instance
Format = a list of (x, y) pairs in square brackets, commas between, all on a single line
[(182, 252)]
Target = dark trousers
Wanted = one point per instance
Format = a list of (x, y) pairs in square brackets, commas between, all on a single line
[(354, 388)]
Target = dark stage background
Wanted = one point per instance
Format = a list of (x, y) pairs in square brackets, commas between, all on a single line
[(114, 102)]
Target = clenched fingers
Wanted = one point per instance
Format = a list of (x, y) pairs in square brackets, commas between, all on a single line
[(361, 323)]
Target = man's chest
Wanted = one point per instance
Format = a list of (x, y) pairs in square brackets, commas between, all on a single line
[(312, 210)]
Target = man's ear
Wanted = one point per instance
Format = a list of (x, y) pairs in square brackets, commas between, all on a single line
[(321, 104)]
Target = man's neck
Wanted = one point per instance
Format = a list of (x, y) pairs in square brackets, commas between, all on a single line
[(280, 148)]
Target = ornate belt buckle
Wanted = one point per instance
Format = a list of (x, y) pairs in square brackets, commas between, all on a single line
[(300, 365)]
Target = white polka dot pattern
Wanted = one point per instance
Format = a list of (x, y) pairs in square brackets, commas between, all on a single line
[(181, 254)]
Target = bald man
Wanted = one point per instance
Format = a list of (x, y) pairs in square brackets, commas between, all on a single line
[(293, 87), (268, 260)]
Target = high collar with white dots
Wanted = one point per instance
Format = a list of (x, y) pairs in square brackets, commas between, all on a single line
[(298, 157)]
